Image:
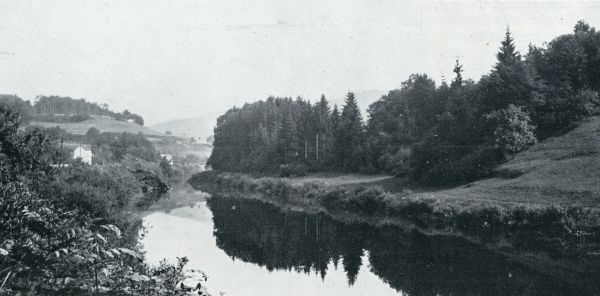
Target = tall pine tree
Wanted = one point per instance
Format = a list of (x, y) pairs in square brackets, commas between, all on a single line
[(511, 81), (324, 133), (351, 135)]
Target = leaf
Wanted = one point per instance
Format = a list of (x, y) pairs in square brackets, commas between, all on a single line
[(3, 252), (112, 228), (98, 235), (68, 280), (136, 277), (131, 253)]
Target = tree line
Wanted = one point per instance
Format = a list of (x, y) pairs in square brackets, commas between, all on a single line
[(56, 108), (436, 134)]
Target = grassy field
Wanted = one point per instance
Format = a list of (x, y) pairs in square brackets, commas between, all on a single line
[(559, 171), (102, 124)]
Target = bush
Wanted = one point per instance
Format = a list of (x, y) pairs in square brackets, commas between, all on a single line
[(291, 170), (79, 118), (513, 131), (450, 169), (100, 192), (588, 103), (368, 200), (58, 242), (397, 163)]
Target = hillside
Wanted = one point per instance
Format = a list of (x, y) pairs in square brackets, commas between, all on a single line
[(191, 127), (564, 170), (102, 124)]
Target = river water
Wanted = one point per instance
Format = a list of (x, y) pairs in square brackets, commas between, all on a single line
[(248, 247)]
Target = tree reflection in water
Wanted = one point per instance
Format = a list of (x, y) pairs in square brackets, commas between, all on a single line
[(409, 261)]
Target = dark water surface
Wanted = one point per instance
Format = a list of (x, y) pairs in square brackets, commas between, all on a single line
[(248, 247)]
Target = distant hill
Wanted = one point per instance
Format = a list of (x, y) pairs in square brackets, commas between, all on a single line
[(191, 127), (102, 124)]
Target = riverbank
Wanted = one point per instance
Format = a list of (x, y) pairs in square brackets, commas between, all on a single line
[(370, 202), (556, 175)]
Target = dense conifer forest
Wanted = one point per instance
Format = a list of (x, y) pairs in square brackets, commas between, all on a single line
[(450, 133)]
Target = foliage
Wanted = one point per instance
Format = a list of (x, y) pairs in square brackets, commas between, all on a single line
[(260, 137), (513, 131), (435, 134), (61, 106), (350, 148), (116, 146), (60, 244), (571, 224), (15, 104), (103, 191), (289, 170)]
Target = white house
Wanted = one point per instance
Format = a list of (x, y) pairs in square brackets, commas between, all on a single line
[(168, 157), (85, 154)]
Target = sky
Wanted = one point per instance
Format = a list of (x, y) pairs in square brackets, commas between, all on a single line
[(173, 59)]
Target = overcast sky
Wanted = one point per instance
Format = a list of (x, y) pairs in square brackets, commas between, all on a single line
[(178, 59)]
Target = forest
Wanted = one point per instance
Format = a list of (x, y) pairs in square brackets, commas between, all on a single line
[(451, 133), (63, 109)]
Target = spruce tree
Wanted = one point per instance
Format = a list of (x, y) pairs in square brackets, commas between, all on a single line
[(288, 138), (335, 156), (511, 81), (351, 131), (322, 120), (458, 80), (508, 53)]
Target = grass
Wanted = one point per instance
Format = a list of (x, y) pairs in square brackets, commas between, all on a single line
[(479, 219), (102, 124), (561, 171), (551, 190)]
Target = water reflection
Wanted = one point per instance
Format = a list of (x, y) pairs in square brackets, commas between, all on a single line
[(411, 262)]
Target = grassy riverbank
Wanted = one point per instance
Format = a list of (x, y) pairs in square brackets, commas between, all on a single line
[(560, 172), (365, 194), (551, 188), (546, 196)]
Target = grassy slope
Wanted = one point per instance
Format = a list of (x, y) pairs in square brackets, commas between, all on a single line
[(564, 170), (103, 124)]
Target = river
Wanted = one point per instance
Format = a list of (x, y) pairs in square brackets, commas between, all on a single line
[(248, 247)]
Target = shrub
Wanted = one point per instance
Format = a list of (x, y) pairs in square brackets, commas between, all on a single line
[(291, 170), (397, 163), (53, 246), (368, 200), (513, 131), (412, 207), (102, 192), (588, 103), (79, 118)]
